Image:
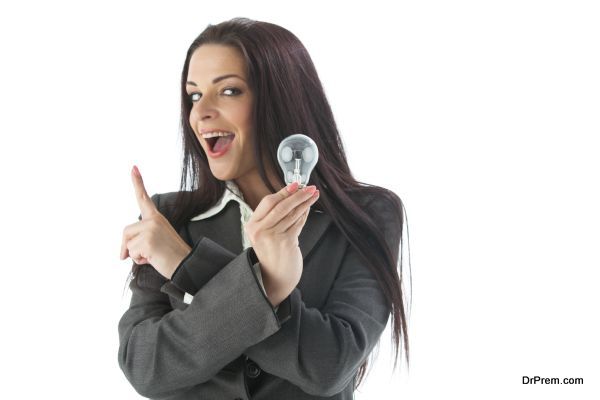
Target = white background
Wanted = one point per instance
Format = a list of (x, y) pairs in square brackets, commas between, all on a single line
[(482, 116)]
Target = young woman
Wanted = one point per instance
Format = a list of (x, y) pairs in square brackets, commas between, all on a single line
[(244, 287)]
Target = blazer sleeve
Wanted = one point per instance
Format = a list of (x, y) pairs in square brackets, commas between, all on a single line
[(204, 260), (320, 350), (164, 351)]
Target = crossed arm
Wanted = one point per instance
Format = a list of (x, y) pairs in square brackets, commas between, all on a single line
[(164, 351)]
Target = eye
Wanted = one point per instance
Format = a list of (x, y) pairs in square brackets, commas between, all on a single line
[(233, 90), (230, 89)]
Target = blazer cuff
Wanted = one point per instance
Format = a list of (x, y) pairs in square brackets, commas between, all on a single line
[(203, 262), (173, 291), (256, 270), (284, 310)]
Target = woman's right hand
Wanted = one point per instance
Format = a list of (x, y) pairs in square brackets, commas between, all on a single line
[(273, 232)]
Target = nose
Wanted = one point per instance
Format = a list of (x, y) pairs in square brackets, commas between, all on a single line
[(203, 109)]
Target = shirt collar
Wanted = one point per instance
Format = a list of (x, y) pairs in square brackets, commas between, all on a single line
[(232, 192)]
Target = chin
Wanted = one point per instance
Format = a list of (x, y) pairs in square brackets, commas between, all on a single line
[(221, 175)]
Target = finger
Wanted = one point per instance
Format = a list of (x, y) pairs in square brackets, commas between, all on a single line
[(296, 214), (302, 221), (129, 232), (297, 226), (134, 247), (145, 203), (140, 261), (284, 207), (124, 251), (271, 200)]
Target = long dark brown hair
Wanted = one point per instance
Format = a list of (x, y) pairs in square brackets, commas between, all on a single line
[(289, 98)]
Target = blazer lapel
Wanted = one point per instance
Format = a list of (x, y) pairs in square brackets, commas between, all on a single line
[(219, 228), (315, 226)]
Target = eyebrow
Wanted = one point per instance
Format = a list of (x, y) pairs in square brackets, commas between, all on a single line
[(217, 79)]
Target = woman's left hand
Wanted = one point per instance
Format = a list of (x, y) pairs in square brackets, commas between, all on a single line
[(153, 240)]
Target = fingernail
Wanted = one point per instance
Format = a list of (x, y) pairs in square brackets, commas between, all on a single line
[(316, 193), (310, 189), (292, 187)]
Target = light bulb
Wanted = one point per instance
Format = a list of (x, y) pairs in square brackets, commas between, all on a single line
[(297, 155)]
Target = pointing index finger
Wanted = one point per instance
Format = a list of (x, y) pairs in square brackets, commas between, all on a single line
[(144, 201)]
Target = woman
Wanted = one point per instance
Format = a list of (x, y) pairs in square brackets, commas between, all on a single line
[(283, 292)]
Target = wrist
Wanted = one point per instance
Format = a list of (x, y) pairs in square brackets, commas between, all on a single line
[(176, 260), (276, 291)]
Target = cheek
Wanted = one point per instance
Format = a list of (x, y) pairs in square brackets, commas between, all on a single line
[(192, 120), (247, 141), (242, 114)]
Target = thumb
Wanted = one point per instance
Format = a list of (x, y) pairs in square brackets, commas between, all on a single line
[(288, 190)]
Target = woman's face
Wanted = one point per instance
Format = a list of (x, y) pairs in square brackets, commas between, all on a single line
[(222, 104)]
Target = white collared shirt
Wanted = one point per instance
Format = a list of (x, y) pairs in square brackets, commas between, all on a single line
[(232, 192)]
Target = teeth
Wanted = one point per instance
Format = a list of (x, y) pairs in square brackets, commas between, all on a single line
[(215, 134)]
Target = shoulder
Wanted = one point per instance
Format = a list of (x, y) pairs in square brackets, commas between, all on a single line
[(380, 203), (385, 209), (164, 201)]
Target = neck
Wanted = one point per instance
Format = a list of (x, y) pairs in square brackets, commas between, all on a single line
[(254, 189)]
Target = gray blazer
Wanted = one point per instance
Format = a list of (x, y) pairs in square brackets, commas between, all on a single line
[(229, 342)]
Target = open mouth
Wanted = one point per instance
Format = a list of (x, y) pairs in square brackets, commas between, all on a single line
[(211, 142), (219, 143)]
